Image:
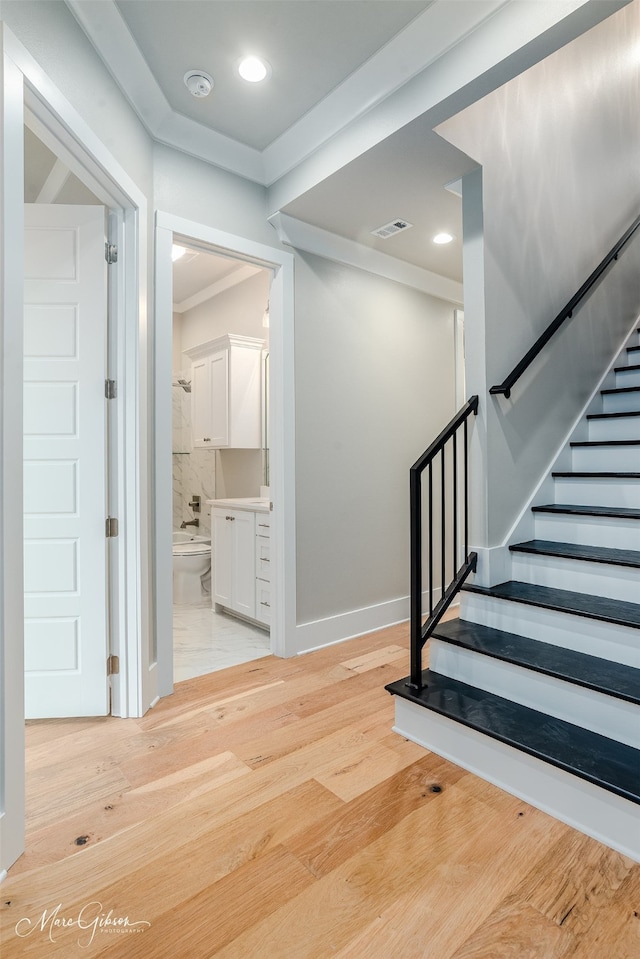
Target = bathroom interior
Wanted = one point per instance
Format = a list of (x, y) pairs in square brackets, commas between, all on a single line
[(220, 313)]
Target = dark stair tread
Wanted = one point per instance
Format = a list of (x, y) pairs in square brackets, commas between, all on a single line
[(597, 443), (613, 766), (592, 672), (621, 389), (602, 608), (633, 349), (592, 554), (625, 369), (602, 474), (568, 509), (618, 415)]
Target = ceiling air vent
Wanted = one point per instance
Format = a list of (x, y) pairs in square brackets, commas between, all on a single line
[(390, 229)]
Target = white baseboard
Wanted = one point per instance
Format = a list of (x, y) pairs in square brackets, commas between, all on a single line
[(610, 819), (357, 622), (3, 875)]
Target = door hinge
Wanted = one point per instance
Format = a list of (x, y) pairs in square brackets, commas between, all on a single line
[(111, 253), (110, 389), (111, 527), (113, 665)]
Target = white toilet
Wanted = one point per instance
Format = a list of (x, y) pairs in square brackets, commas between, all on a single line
[(191, 568)]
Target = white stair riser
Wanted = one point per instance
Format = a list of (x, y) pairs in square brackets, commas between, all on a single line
[(621, 644), (617, 428), (608, 458), (583, 707), (610, 819), (628, 377), (598, 492), (588, 530), (596, 579), (620, 402)]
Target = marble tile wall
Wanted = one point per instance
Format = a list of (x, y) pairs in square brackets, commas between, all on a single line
[(193, 469)]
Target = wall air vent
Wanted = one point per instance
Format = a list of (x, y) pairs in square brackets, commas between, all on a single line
[(390, 229)]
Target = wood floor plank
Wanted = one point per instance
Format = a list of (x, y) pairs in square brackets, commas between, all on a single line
[(615, 929), (517, 931), (377, 657), (333, 840), (590, 882)]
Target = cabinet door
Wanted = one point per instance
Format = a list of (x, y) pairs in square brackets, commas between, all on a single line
[(219, 373), (222, 559), (244, 570), (201, 402)]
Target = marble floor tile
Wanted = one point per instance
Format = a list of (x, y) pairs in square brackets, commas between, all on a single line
[(204, 641)]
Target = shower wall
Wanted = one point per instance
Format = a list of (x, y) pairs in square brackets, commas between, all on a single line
[(194, 471)]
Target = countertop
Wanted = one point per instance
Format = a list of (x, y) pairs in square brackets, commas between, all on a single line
[(252, 503)]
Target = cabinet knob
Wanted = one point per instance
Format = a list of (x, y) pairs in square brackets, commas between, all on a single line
[(206, 439), (230, 518)]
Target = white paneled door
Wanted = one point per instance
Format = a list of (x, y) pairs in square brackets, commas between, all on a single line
[(65, 440)]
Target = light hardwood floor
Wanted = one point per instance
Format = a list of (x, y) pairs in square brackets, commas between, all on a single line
[(268, 811)]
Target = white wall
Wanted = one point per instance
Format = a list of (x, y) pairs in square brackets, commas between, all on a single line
[(559, 147), (197, 191), (374, 385), (237, 310)]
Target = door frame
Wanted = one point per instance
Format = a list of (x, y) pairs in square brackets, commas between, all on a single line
[(27, 92), (282, 430)]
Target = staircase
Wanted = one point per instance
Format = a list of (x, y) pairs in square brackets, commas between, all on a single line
[(537, 686)]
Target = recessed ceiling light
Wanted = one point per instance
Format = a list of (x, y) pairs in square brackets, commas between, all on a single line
[(177, 252), (442, 238), (253, 69)]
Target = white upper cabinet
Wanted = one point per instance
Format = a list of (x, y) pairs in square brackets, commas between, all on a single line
[(226, 393)]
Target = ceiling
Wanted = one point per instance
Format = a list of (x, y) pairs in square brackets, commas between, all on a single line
[(312, 46)]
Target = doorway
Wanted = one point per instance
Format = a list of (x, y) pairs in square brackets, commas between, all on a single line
[(279, 265), (215, 297)]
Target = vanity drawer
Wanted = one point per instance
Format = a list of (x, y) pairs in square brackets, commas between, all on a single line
[(263, 524), (263, 558), (263, 601)]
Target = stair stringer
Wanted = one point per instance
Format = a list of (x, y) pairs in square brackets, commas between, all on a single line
[(494, 562), (608, 818)]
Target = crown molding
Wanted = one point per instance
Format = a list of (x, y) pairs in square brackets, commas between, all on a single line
[(239, 275), (312, 239), (112, 40), (425, 39)]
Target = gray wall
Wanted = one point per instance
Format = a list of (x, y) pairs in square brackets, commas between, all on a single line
[(560, 149), (374, 385)]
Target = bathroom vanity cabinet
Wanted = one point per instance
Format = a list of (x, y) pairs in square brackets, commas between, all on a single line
[(240, 543), (226, 393)]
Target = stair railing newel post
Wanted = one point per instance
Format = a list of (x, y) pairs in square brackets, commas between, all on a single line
[(420, 633)]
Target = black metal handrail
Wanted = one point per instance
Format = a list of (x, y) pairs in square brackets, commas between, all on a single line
[(564, 314), (420, 633)]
